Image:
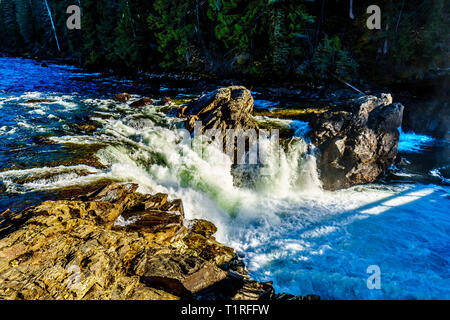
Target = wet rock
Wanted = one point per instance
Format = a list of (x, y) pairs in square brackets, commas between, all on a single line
[(221, 109), (154, 221), (142, 103), (39, 101), (72, 250), (86, 249), (253, 290), (203, 227), (43, 140), (164, 101), (208, 248), (122, 97), (179, 274), (2, 187), (87, 127), (427, 116), (357, 141)]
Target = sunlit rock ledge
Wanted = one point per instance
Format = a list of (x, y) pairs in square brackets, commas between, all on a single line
[(115, 243)]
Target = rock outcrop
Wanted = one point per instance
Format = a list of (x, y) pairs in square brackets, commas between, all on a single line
[(164, 101), (221, 109), (357, 141), (115, 243), (142, 102), (122, 97)]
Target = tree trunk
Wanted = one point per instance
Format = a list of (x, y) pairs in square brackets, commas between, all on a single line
[(53, 25)]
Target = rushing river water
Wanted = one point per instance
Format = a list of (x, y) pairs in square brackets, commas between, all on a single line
[(286, 227)]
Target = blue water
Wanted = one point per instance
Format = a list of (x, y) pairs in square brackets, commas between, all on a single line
[(288, 230)]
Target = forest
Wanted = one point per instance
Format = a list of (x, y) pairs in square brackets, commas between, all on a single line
[(309, 40)]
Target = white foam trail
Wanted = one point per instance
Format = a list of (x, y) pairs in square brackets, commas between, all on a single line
[(47, 178)]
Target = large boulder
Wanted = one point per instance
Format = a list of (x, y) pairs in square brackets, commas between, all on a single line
[(357, 141), (142, 102), (222, 109), (122, 97)]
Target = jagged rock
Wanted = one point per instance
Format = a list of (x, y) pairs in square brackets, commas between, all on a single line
[(427, 116), (122, 97), (87, 127), (40, 101), (87, 248), (357, 141), (180, 274), (208, 248), (253, 290), (203, 227), (221, 109), (164, 101), (43, 140), (142, 103)]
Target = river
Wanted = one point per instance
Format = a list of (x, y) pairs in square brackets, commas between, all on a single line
[(286, 227)]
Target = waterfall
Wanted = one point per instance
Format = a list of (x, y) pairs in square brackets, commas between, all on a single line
[(53, 25)]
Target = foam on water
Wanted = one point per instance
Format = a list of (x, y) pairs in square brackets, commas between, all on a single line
[(48, 178)]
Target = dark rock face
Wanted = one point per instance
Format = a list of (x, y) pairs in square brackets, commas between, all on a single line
[(179, 274), (39, 101), (164, 101), (142, 103), (427, 104), (122, 97), (430, 117), (203, 227), (357, 141), (221, 109)]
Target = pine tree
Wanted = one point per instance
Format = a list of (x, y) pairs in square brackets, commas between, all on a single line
[(173, 26)]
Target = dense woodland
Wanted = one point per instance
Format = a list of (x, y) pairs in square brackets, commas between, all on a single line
[(301, 39)]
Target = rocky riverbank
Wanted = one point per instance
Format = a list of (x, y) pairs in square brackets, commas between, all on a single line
[(357, 140), (115, 243)]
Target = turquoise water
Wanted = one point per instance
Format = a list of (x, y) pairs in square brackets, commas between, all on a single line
[(286, 228)]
